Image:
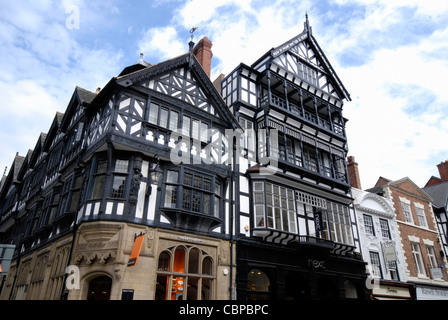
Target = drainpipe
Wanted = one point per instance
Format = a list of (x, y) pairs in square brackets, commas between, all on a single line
[(232, 211), (231, 232)]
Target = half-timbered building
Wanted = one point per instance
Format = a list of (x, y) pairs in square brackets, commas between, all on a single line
[(158, 186), (120, 167), (298, 238)]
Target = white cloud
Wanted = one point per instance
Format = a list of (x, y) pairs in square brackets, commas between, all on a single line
[(391, 55), (161, 42), (42, 61), (386, 136)]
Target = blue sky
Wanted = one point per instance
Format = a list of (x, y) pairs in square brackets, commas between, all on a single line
[(391, 56)]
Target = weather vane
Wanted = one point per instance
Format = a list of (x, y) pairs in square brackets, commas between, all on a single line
[(192, 32)]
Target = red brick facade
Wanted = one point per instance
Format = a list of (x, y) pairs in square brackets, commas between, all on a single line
[(424, 236)]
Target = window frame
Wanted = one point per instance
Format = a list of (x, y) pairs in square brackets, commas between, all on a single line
[(421, 217), (369, 226), (265, 201), (180, 187), (384, 226), (418, 259), (407, 214), (375, 263), (181, 277)]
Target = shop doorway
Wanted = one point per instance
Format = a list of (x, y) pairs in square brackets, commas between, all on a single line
[(99, 288), (296, 287), (327, 288)]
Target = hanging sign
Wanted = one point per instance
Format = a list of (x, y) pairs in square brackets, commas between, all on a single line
[(318, 220), (389, 251), (135, 253)]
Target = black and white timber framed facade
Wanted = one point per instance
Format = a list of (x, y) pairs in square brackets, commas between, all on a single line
[(299, 239), (262, 214)]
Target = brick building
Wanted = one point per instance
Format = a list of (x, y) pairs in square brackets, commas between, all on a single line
[(437, 188), (425, 262)]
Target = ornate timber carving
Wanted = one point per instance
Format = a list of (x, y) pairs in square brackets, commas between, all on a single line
[(135, 182)]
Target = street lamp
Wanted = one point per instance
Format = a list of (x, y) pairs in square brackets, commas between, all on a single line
[(156, 173)]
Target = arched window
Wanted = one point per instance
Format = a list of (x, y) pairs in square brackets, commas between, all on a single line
[(164, 261), (188, 276), (257, 285)]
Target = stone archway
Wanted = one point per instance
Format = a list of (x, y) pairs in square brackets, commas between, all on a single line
[(99, 288)]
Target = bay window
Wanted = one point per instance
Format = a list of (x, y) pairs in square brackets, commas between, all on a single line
[(274, 208), (192, 191), (277, 207)]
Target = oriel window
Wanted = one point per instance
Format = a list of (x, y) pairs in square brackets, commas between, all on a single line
[(192, 191)]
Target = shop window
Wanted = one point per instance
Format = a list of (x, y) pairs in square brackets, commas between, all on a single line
[(164, 262), (258, 285), (188, 276), (350, 290)]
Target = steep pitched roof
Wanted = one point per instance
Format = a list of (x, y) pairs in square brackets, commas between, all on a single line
[(84, 95), (439, 193), (305, 49), (140, 76)]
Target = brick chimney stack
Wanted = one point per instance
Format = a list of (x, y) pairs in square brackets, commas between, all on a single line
[(353, 173), (203, 53), (443, 170)]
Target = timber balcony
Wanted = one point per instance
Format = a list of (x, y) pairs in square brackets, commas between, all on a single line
[(310, 117)]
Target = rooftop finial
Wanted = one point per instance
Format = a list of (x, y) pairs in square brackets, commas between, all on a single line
[(307, 24)]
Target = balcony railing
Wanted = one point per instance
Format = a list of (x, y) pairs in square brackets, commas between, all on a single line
[(304, 114)]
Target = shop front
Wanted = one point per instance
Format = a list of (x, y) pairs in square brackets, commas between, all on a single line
[(293, 272), (431, 292), (170, 265), (392, 290)]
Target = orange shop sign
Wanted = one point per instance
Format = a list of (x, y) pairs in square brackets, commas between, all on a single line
[(135, 253)]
